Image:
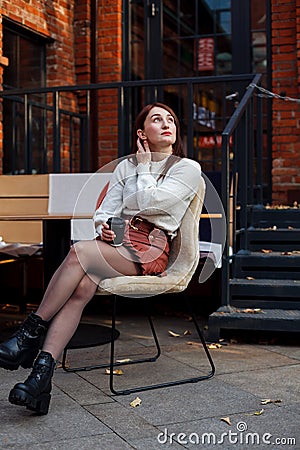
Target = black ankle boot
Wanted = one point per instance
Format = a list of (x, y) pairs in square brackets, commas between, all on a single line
[(34, 393), (21, 349)]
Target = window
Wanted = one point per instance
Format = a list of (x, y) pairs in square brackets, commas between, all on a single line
[(23, 151)]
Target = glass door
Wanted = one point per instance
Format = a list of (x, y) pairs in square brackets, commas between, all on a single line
[(179, 39)]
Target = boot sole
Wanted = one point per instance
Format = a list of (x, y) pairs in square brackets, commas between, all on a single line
[(40, 405)]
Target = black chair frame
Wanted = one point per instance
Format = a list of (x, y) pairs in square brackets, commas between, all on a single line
[(112, 364)]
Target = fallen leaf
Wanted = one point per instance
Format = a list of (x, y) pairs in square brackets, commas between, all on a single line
[(266, 401), (171, 333), (115, 372), (193, 343), (187, 332), (266, 251), (136, 402), (59, 364), (256, 413), (211, 346), (226, 419), (126, 360), (250, 278), (251, 310), (286, 253)]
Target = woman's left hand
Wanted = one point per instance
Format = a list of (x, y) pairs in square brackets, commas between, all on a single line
[(143, 154)]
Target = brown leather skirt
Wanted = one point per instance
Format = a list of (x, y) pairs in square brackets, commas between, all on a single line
[(149, 246)]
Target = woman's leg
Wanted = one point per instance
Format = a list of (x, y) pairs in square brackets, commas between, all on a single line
[(97, 260), (100, 261), (65, 322)]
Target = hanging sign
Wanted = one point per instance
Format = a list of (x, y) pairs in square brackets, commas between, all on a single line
[(205, 54)]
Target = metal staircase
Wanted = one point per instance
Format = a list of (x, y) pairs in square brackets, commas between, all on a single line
[(261, 278)]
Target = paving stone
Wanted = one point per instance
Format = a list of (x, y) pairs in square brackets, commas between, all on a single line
[(275, 382), (65, 420), (78, 389), (192, 401), (84, 414), (125, 420)]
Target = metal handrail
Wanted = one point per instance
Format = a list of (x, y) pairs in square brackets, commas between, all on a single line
[(232, 126)]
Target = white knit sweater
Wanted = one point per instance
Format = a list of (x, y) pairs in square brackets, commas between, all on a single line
[(136, 190)]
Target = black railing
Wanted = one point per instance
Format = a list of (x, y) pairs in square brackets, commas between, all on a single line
[(242, 183), (52, 106)]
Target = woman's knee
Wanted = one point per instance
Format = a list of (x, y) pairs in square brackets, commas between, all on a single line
[(84, 291)]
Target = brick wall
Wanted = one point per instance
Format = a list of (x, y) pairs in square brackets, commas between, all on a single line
[(286, 114), (68, 59), (110, 69)]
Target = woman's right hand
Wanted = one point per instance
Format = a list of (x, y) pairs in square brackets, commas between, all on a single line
[(107, 234), (143, 154)]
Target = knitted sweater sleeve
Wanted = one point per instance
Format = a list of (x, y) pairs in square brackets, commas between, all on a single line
[(180, 184)]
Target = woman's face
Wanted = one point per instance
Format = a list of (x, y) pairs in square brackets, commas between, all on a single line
[(159, 130)]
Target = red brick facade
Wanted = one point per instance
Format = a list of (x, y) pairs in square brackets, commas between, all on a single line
[(286, 114), (69, 62), (68, 58)]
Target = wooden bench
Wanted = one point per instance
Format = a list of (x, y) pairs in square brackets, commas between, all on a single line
[(23, 195)]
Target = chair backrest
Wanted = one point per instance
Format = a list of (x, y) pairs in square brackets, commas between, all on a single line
[(184, 255)]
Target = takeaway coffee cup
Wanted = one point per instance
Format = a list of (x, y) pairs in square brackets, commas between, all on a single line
[(117, 225)]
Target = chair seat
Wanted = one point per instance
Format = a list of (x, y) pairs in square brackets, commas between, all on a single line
[(137, 286)]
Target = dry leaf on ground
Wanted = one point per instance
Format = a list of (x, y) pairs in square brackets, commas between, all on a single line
[(115, 372), (211, 346), (193, 343), (256, 413), (266, 401), (173, 334), (136, 402), (226, 419)]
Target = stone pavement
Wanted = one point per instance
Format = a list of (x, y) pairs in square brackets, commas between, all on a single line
[(85, 415)]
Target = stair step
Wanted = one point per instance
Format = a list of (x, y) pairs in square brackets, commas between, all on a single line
[(265, 293), (266, 320), (274, 265), (282, 218), (278, 288), (277, 240)]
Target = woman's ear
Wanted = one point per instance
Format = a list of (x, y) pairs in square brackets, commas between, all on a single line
[(141, 134)]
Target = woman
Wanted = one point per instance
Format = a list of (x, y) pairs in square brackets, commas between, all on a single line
[(151, 189)]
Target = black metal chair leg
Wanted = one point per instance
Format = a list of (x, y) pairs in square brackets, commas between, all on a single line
[(112, 364), (112, 347), (170, 383)]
